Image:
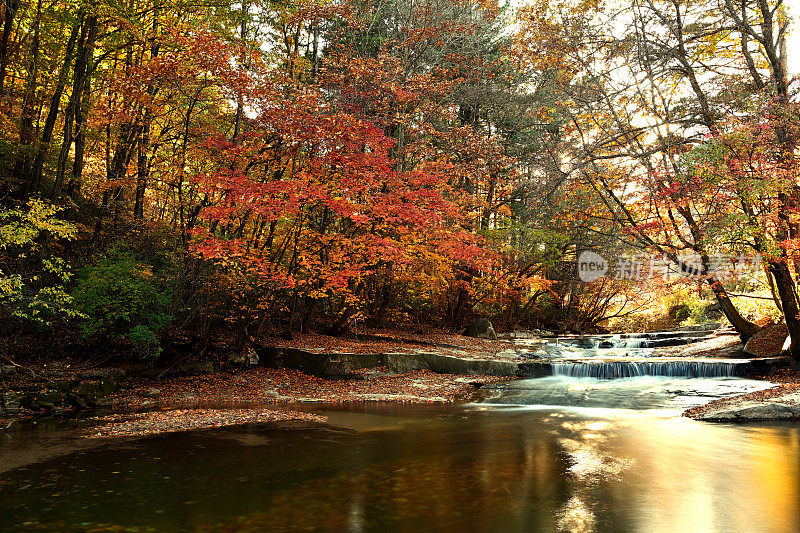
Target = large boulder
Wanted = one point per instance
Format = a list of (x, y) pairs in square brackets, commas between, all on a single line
[(768, 342), (481, 328)]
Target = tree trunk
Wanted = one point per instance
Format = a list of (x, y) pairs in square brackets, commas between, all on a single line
[(340, 324), (81, 73), (80, 138), (487, 211), (142, 169), (123, 152), (142, 165), (10, 11), (457, 314), (743, 327), (240, 97), (50, 122), (26, 132), (789, 301), (311, 309)]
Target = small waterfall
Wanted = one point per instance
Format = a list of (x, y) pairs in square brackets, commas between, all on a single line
[(628, 369), (636, 343)]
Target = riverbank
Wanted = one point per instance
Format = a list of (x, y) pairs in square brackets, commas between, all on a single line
[(216, 400), (388, 366), (265, 386), (781, 402), (186, 393), (376, 366)]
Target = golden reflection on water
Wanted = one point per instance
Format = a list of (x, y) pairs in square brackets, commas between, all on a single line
[(650, 474), (668, 474), (771, 457), (576, 517), (695, 476), (506, 472)]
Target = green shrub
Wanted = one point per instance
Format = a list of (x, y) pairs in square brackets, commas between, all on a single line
[(123, 300), (32, 275), (687, 308)]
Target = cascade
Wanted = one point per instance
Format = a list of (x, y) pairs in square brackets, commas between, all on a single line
[(627, 369)]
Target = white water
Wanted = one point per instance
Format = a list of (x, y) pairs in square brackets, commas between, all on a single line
[(657, 395), (587, 376), (637, 345), (627, 369)]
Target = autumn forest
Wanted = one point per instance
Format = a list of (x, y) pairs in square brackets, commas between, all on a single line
[(399, 265), (211, 173)]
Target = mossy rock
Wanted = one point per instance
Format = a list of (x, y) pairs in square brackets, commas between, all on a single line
[(49, 398), (109, 384), (11, 402), (87, 389)]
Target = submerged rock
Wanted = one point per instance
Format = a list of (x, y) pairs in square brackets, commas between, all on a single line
[(150, 393), (48, 399), (250, 358)]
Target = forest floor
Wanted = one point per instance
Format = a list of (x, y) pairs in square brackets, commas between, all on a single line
[(150, 403), (397, 340)]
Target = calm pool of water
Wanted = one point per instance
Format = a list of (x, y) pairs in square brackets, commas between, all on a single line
[(401, 468)]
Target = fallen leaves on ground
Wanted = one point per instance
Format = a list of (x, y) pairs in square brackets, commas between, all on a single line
[(263, 385), (395, 340), (157, 422), (768, 342)]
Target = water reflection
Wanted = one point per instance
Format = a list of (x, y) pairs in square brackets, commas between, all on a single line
[(575, 516), (417, 469)]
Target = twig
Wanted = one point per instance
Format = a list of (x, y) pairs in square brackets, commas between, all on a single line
[(34, 374)]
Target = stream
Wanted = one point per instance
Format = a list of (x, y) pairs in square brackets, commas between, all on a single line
[(576, 451)]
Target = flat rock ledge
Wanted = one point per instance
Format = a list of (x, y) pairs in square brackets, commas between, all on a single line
[(343, 365), (755, 412), (785, 407), (339, 365)]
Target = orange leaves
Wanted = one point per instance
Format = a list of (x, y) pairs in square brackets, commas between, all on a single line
[(315, 203)]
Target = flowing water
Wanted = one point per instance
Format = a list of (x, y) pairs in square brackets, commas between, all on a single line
[(638, 345), (561, 453)]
